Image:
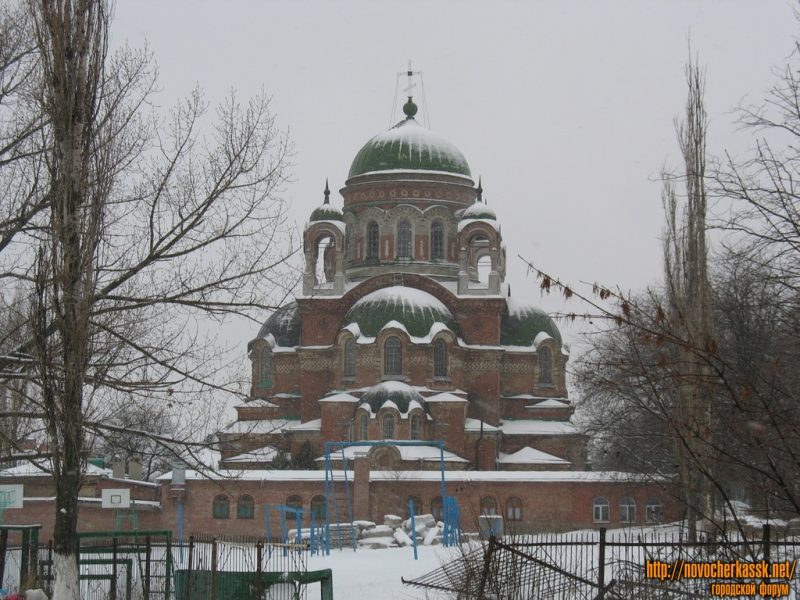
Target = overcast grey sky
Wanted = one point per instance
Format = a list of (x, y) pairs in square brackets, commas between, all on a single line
[(564, 108)]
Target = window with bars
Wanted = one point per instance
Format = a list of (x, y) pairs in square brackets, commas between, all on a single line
[(437, 508), (221, 507), (388, 427), (440, 358), (266, 365), (350, 358), (295, 502), (393, 357), (545, 366), (415, 427), (627, 510), (245, 507), (373, 240), (364, 429), (404, 244), (318, 508), (437, 240)]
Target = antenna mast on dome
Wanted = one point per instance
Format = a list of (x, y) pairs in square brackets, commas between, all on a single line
[(411, 85)]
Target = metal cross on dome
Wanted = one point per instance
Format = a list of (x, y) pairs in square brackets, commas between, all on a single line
[(408, 92)]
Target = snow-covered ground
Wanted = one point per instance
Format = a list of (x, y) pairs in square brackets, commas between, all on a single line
[(368, 574)]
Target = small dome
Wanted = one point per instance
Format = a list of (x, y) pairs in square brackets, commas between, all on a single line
[(326, 212), (285, 325), (416, 310), (522, 323), (409, 147), (401, 394), (479, 210)]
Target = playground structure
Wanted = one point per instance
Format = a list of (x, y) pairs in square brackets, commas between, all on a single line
[(339, 504)]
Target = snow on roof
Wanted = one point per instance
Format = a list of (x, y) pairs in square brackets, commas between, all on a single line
[(475, 425), (413, 298), (445, 397), (259, 426), (258, 475), (260, 402), (34, 469), (542, 336), (551, 403), (497, 476), (421, 171), (313, 425), (532, 397), (259, 455), (531, 456), (536, 427), (340, 397)]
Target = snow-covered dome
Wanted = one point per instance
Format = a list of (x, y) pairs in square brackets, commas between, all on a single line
[(408, 146), (285, 325), (523, 322), (479, 210), (403, 396), (416, 310), (327, 212)]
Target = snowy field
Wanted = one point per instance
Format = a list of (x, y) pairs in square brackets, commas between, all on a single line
[(370, 574)]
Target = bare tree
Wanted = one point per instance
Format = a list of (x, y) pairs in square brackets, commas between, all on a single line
[(131, 231)]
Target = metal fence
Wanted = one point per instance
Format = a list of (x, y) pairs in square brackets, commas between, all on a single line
[(595, 566), (117, 566)]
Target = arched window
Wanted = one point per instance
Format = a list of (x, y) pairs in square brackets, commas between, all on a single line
[(627, 510), (440, 358), (373, 240), (437, 240), (404, 245), (318, 508), (437, 508), (295, 502), (602, 510), (221, 506), (417, 506), (266, 365), (545, 366), (245, 507), (415, 427), (364, 427), (653, 510), (393, 357), (514, 509), (350, 358), (388, 427), (488, 506)]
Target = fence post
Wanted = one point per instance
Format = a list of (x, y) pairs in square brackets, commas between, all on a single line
[(766, 541), (3, 547), (189, 574), (213, 568), (487, 562), (601, 563), (50, 563), (113, 594), (259, 584), (147, 568)]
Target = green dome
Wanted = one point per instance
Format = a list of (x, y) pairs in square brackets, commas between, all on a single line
[(479, 210), (409, 147), (326, 212), (522, 323), (285, 325), (416, 310)]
